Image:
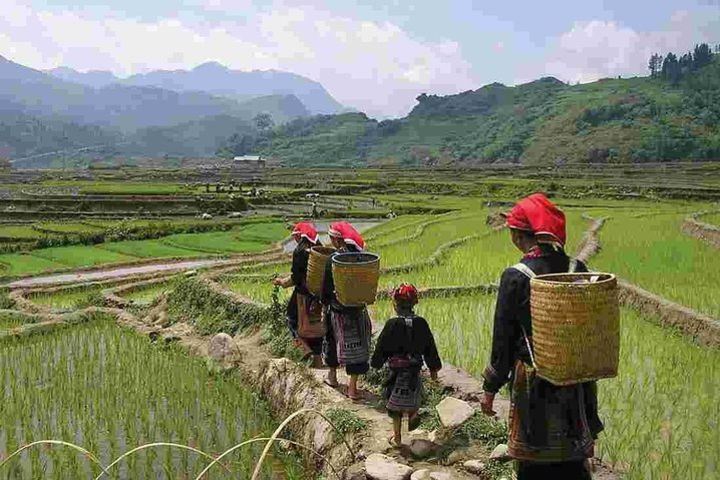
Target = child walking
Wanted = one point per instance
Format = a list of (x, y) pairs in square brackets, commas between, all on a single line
[(405, 343)]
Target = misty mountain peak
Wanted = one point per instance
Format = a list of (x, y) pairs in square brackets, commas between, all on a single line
[(211, 67)]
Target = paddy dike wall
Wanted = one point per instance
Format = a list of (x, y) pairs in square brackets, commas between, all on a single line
[(704, 329), (704, 231)]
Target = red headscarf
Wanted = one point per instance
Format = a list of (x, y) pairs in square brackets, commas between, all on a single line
[(538, 215), (405, 293), (348, 233), (306, 230)]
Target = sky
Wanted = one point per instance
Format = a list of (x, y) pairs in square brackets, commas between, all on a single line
[(373, 55)]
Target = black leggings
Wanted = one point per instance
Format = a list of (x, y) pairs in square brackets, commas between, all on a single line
[(575, 470)]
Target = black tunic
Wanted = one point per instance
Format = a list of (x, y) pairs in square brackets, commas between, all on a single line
[(548, 423), (394, 340), (298, 274)]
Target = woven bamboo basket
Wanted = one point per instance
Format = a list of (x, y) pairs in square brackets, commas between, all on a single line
[(316, 268), (356, 278), (575, 326)]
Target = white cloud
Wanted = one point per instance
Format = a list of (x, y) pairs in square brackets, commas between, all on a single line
[(375, 66), (595, 49)]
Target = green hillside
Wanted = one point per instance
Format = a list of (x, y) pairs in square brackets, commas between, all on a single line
[(674, 116)]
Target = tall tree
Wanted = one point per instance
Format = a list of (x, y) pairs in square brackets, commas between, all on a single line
[(263, 121), (237, 145), (671, 68), (655, 64), (702, 56), (686, 64)]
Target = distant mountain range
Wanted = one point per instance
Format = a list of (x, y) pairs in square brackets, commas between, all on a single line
[(70, 108), (672, 115), (217, 80)]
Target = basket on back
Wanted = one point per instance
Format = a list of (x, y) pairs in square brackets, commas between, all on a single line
[(356, 278), (317, 263), (575, 326)]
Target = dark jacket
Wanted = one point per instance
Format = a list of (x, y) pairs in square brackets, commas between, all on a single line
[(298, 274), (397, 338), (512, 311)]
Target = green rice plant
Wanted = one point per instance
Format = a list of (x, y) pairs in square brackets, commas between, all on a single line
[(147, 294), (215, 242), (66, 228), (150, 249), (258, 289), (81, 256), (69, 298), (712, 219), (6, 302), (101, 386), (26, 232), (211, 312), (14, 264), (652, 252), (9, 319), (404, 223)]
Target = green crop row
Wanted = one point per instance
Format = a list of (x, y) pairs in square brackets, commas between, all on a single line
[(110, 390), (654, 253)]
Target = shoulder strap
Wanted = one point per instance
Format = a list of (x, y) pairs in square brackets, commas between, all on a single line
[(528, 272), (524, 269)]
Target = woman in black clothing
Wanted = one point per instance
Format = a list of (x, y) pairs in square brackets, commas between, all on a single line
[(347, 341), (405, 343), (304, 312), (552, 428)]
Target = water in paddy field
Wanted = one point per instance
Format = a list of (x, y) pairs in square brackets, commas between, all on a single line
[(110, 390)]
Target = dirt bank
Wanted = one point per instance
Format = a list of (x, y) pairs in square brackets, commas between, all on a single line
[(704, 231)]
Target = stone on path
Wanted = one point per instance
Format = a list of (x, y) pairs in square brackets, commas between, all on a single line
[(355, 472), (454, 412), (440, 476), (382, 467), (220, 347), (500, 452), (423, 474), (474, 466), (422, 448)]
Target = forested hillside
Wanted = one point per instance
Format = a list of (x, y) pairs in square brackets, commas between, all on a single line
[(674, 114)]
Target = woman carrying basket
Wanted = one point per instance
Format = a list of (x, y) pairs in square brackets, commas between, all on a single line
[(552, 428), (347, 341), (304, 312)]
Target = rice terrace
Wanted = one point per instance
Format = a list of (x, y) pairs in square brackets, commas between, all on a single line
[(109, 356), (351, 240)]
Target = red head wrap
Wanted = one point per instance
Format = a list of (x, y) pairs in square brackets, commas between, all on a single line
[(348, 233), (405, 293), (538, 215), (306, 230)]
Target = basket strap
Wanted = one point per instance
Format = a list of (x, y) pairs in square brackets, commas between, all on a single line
[(573, 265), (525, 270), (528, 272)]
